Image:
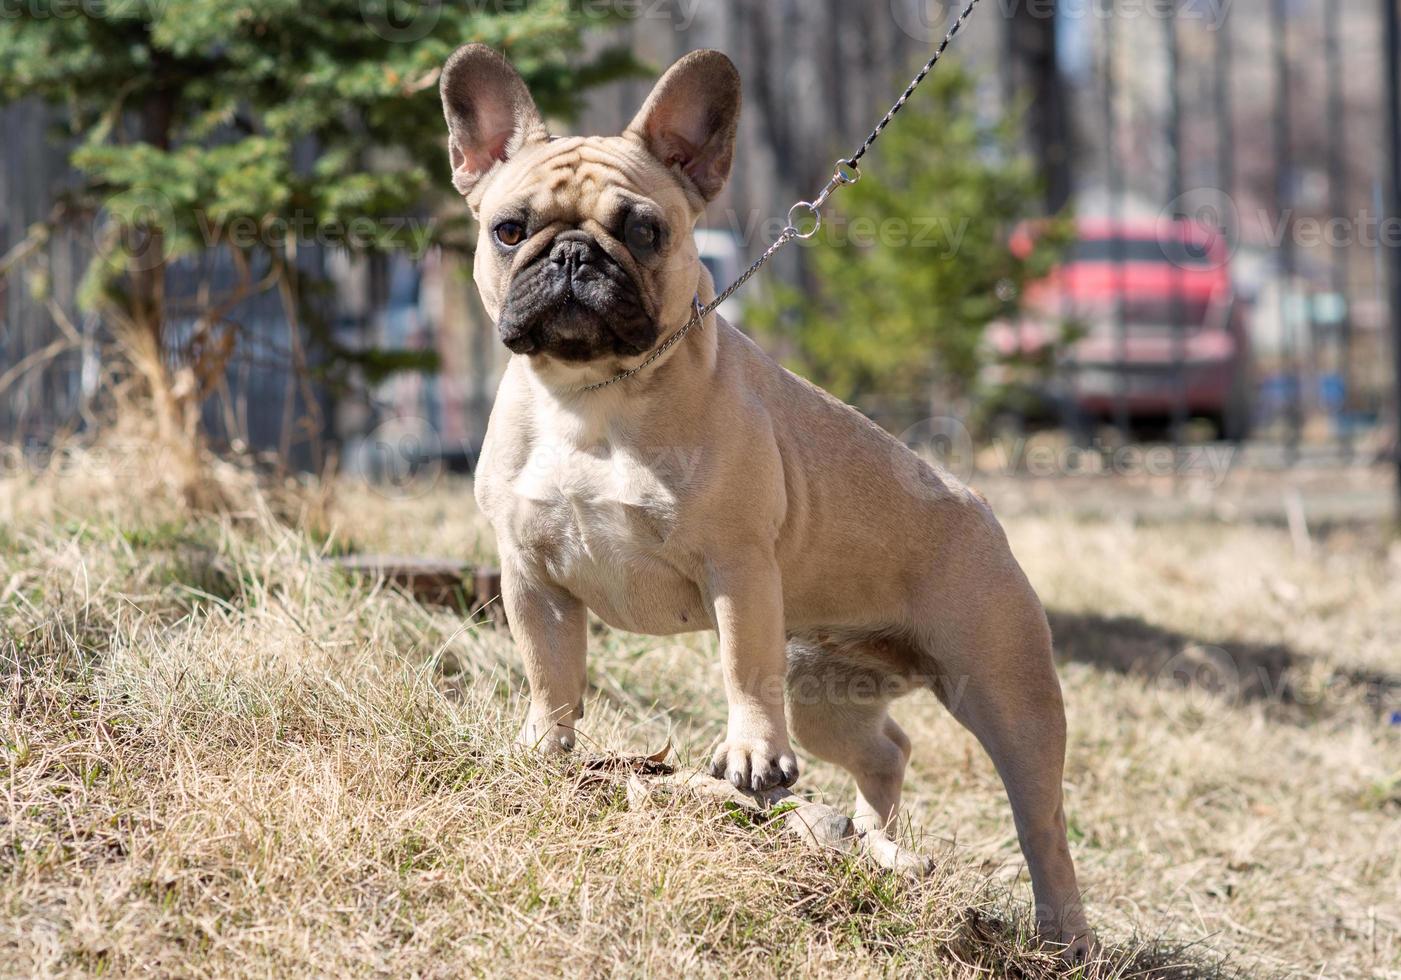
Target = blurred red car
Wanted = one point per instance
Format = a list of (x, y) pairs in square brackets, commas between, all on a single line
[(1170, 282)]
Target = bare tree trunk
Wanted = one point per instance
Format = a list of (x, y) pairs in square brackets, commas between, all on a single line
[(172, 388), (1034, 74)]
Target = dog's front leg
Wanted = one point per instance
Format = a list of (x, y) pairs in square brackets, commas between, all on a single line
[(747, 599), (549, 626)]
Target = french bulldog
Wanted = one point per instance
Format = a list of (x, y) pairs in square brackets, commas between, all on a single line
[(714, 490)]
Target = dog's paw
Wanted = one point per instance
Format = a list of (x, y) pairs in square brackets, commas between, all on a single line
[(754, 765), (880, 848), (545, 736), (1078, 950), (1075, 946)]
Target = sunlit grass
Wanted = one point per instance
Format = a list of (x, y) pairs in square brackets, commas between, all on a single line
[(221, 755)]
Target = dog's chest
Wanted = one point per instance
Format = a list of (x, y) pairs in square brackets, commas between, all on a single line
[(601, 522)]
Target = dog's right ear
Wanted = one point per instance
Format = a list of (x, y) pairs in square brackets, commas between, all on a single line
[(689, 120), (491, 116)]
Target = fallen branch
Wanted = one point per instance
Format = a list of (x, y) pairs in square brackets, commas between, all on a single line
[(815, 824), (434, 581), (34, 359)]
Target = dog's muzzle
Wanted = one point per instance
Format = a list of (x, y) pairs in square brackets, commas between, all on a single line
[(576, 303)]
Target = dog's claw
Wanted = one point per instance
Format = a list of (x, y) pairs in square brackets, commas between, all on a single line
[(545, 737), (753, 771), (789, 768), (1079, 950), (883, 850)]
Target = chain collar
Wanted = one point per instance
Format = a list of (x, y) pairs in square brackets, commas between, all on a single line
[(697, 314), (700, 312)]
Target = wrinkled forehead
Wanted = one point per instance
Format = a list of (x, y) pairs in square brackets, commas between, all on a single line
[(574, 177)]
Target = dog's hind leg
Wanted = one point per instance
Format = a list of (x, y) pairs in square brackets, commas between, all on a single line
[(838, 711), (1003, 688)]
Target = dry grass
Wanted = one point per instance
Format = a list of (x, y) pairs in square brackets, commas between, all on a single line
[(221, 757)]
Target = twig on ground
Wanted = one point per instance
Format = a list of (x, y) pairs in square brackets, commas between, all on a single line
[(816, 824)]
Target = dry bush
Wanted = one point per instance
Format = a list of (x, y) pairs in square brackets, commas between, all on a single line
[(222, 757)]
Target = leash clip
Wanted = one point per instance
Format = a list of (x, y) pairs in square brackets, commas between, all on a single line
[(809, 213)]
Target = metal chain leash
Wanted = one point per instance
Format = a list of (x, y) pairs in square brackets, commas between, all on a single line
[(698, 313), (809, 213), (910, 89)]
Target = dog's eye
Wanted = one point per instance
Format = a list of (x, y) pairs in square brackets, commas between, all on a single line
[(510, 233), (642, 236)]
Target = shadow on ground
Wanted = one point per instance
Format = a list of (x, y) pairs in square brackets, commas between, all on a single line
[(993, 943), (1233, 671)]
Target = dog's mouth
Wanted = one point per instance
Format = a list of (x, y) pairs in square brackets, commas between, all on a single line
[(576, 303), (568, 330)]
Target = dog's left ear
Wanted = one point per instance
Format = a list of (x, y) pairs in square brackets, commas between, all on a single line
[(489, 112), (689, 120)]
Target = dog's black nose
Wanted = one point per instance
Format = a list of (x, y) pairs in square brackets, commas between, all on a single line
[(573, 249)]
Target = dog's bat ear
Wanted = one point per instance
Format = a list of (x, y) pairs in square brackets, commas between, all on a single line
[(689, 120), (489, 112)]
